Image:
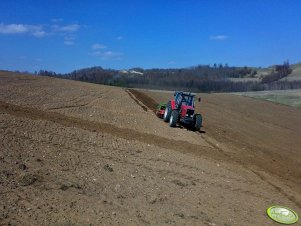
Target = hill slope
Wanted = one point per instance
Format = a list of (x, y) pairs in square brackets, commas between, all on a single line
[(78, 153), (296, 73)]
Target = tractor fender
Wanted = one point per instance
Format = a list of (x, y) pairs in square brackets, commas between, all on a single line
[(173, 104)]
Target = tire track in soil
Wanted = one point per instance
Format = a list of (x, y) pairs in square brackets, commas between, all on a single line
[(187, 178), (125, 133), (145, 101), (142, 100), (53, 139), (151, 104), (171, 173), (69, 106), (135, 99)]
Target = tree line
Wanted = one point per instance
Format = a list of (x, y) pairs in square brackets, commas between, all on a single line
[(201, 78)]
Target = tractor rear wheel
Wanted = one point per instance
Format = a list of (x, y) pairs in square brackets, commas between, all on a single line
[(167, 112), (174, 118), (198, 120)]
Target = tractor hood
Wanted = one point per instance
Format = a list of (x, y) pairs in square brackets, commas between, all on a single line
[(185, 107)]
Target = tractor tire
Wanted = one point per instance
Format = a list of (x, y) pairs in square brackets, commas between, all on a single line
[(167, 112), (198, 120), (174, 118)]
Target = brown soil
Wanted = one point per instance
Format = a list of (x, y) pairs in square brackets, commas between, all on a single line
[(259, 135), (73, 153)]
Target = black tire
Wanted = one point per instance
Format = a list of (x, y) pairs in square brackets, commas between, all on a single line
[(174, 118), (167, 112), (198, 120)]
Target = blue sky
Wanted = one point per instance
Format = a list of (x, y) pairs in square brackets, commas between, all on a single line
[(66, 35)]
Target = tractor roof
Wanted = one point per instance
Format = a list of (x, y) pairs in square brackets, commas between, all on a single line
[(184, 93)]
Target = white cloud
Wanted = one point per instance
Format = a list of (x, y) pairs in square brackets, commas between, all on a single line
[(219, 37), (69, 40), (70, 28), (98, 46), (96, 53), (107, 55), (35, 30), (112, 54), (13, 28), (38, 30), (67, 28), (39, 34), (68, 32)]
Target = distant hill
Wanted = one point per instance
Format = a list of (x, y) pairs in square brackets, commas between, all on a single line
[(200, 78), (296, 73)]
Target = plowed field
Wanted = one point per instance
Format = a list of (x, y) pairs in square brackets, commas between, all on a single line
[(74, 153)]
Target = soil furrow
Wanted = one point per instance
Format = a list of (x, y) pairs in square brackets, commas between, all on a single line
[(126, 133)]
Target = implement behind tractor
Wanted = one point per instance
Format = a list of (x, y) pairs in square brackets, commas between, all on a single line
[(160, 110), (182, 110)]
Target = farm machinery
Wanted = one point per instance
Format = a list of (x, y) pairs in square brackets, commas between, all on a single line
[(181, 109), (160, 110)]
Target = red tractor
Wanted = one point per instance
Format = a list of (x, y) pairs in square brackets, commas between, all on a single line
[(182, 109)]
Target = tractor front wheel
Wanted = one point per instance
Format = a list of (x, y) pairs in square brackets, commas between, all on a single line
[(198, 120), (167, 112), (174, 118)]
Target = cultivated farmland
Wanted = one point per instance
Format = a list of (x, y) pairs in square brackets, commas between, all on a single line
[(74, 153)]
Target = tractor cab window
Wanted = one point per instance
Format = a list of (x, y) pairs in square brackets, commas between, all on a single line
[(184, 101), (178, 98), (189, 100)]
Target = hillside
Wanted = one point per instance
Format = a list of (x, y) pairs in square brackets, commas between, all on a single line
[(286, 97), (296, 73), (74, 153)]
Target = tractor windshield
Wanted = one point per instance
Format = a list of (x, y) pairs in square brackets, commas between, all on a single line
[(179, 98)]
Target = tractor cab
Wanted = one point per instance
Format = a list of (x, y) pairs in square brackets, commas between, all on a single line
[(186, 99)]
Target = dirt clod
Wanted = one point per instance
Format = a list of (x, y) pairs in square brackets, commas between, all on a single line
[(179, 183), (108, 168), (22, 167), (153, 199), (27, 179)]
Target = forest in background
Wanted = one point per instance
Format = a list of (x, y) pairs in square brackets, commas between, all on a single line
[(201, 78)]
